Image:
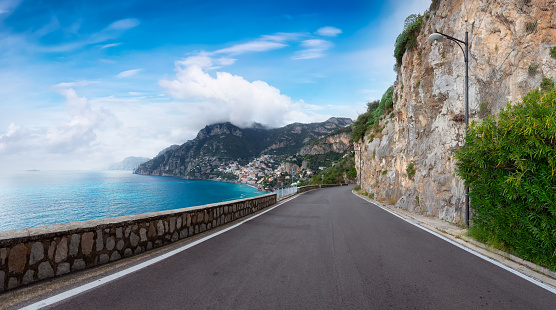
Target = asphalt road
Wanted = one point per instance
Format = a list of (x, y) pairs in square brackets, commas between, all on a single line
[(326, 249)]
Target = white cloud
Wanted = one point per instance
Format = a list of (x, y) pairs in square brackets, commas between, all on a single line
[(79, 131), (10, 135), (45, 145), (228, 97), (8, 6), (314, 48), (254, 46), (49, 28), (127, 73), (113, 31), (328, 31), (110, 45), (74, 84), (263, 44), (124, 24)]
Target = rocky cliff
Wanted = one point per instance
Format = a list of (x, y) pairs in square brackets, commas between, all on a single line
[(220, 144), (509, 47), (338, 142)]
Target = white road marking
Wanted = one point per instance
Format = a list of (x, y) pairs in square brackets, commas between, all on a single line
[(83, 288), (488, 259)]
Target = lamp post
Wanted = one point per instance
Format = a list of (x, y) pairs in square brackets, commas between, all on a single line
[(437, 36)]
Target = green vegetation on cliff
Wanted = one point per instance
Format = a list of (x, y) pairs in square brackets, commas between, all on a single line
[(340, 172), (371, 118), (407, 40), (509, 163)]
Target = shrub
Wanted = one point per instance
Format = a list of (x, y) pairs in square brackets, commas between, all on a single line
[(387, 102), (352, 172), (547, 84), (509, 164), (384, 172), (407, 40), (553, 52), (410, 170), (375, 110), (357, 188), (361, 125), (372, 195)]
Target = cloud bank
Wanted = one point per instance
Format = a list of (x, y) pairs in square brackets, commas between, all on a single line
[(227, 97)]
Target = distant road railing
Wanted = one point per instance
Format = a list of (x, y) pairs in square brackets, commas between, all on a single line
[(283, 192)]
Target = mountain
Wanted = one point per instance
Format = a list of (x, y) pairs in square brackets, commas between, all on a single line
[(220, 144), (338, 141), (129, 163)]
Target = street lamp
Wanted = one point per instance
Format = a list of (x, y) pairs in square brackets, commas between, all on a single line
[(437, 36)]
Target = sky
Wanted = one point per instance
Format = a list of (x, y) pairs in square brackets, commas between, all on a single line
[(87, 83)]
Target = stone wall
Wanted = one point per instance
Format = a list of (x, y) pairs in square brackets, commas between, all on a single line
[(33, 254)]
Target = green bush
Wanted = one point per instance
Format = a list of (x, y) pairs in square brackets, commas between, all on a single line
[(410, 170), (361, 124), (407, 40), (337, 173), (509, 164), (547, 84), (352, 173), (553, 52)]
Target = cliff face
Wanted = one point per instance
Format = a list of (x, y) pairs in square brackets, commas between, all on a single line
[(338, 143), (509, 47)]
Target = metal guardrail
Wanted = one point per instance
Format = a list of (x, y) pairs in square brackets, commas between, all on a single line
[(283, 192)]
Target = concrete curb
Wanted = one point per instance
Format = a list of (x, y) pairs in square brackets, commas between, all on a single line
[(459, 235)]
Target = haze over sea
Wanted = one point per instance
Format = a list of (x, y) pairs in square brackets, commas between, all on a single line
[(38, 198)]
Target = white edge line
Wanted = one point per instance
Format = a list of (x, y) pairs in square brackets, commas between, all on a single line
[(461, 246), (80, 289)]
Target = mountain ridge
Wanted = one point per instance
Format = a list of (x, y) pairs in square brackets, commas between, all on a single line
[(223, 143)]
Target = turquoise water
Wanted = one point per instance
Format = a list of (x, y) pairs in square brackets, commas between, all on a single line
[(37, 198)]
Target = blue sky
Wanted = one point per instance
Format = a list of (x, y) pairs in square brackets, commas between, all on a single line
[(87, 83)]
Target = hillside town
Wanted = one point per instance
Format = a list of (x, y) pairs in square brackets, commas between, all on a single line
[(264, 172)]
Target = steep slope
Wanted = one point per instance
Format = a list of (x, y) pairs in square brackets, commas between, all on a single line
[(510, 43), (338, 141), (218, 144)]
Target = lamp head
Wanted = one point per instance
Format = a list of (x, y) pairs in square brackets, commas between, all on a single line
[(436, 37)]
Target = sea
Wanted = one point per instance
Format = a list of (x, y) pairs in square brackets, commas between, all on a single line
[(38, 198)]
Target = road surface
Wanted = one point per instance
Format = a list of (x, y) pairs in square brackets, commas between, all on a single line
[(326, 249)]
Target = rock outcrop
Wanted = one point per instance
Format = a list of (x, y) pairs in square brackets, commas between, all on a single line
[(338, 142), (509, 47)]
